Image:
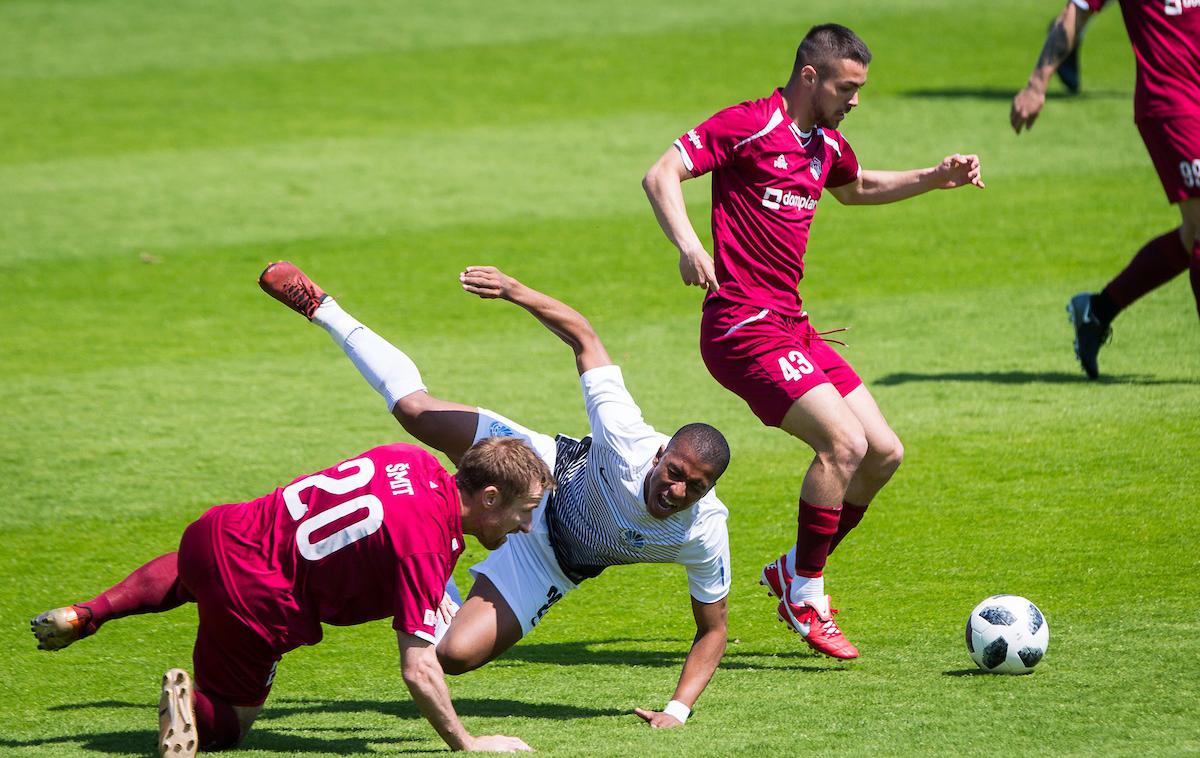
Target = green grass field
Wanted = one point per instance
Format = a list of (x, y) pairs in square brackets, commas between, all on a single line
[(155, 156)]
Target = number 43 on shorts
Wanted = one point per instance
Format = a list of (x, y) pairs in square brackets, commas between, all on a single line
[(794, 366)]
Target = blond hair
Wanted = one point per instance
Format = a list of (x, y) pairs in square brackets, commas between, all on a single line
[(506, 463)]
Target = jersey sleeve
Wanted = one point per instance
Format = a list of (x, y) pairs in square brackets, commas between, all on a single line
[(420, 582), (712, 143), (706, 558), (616, 421), (845, 168)]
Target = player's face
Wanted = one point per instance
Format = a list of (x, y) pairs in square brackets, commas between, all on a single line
[(837, 92), (500, 521), (679, 478)]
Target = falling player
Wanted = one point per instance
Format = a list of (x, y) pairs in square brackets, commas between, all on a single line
[(375, 536), (626, 494)]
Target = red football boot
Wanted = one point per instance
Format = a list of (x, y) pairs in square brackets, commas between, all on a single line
[(290, 286), (776, 578), (817, 628)]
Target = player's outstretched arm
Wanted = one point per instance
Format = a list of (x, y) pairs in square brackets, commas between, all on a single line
[(427, 684), (878, 187), (702, 660), (567, 323), (662, 184), (1060, 41)]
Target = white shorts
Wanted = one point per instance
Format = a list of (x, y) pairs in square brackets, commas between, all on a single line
[(524, 568)]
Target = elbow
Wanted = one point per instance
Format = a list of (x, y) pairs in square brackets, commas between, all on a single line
[(650, 181)]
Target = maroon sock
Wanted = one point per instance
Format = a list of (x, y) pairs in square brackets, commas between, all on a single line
[(1195, 273), (851, 515), (152, 588), (1158, 262), (216, 722), (816, 529)]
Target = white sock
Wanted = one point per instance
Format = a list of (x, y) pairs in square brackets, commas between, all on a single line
[(790, 561), (808, 588), (389, 371)]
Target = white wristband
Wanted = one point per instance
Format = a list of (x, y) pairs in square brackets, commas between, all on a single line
[(678, 710)]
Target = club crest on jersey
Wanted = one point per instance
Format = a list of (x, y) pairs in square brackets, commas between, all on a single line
[(814, 168), (632, 539), (781, 163)]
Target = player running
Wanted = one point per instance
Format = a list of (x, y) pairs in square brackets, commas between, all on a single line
[(625, 494), (1166, 108), (771, 159), (375, 536)]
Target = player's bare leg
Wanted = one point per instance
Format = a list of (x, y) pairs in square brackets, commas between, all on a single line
[(484, 628), (449, 427), (883, 458), (824, 420)]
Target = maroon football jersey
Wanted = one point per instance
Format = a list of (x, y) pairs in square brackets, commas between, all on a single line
[(767, 178), (374, 536), (1166, 43)]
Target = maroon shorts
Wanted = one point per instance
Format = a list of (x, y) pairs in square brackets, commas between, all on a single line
[(767, 359), (231, 661), (1174, 147)]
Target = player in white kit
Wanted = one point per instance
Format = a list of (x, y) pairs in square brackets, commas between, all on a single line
[(626, 493)]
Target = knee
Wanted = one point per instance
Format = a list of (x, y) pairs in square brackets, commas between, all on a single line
[(455, 659), (408, 409), (846, 451), (887, 456)]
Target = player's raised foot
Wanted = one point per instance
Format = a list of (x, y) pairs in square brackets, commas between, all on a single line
[(57, 628), (1090, 333), (776, 578), (813, 620), (292, 287), (177, 736)]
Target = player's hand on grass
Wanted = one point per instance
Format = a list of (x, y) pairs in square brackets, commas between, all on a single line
[(488, 282), (958, 171), (497, 743), (1025, 108), (696, 268), (658, 719)]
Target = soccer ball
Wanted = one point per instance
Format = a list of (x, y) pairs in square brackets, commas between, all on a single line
[(1007, 634)]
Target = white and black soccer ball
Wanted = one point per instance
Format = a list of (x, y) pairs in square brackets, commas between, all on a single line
[(1007, 634)]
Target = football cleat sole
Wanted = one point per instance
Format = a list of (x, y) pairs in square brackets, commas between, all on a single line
[(177, 736)]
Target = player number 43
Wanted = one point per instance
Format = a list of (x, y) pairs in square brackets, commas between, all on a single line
[(367, 525), (1190, 170), (794, 366)]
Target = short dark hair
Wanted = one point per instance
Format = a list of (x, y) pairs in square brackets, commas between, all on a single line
[(826, 43), (707, 442), (506, 463)]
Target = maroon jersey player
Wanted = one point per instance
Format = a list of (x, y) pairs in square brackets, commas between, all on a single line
[(374, 537), (1166, 108), (771, 160)]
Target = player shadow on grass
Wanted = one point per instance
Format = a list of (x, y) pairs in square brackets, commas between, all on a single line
[(616, 652), (1007, 93), (281, 739), (1025, 377)]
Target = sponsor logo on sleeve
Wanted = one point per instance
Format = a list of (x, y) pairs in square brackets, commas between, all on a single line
[(552, 597), (500, 430), (398, 481), (694, 138)]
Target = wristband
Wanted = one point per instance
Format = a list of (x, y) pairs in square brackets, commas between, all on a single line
[(678, 710)]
